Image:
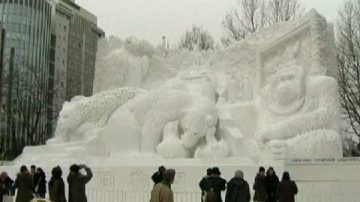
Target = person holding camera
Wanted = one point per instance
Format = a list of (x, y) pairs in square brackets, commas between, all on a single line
[(77, 183)]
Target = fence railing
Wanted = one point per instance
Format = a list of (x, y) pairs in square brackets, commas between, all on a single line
[(308, 192), (95, 195)]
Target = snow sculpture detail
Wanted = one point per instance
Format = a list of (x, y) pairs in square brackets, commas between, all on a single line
[(298, 115), (82, 114), (272, 96)]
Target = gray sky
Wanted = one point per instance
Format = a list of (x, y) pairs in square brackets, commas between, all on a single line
[(150, 19)]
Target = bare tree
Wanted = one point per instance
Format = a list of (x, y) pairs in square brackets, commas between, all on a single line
[(253, 15), (196, 39), (283, 10), (248, 17), (348, 58), (26, 112)]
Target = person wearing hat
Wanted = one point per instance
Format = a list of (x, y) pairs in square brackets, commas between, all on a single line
[(218, 185), (77, 183), (238, 189), (162, 191)]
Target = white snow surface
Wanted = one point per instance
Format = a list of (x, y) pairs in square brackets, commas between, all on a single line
[(273, 96)]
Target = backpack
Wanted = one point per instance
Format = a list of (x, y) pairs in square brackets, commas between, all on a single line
[(211, 196)]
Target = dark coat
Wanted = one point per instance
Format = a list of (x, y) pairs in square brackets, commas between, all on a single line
[(205, 186), (157, 178), (260, 189), (35, 178), (40, 183), (238, 190), (271, 184), (57, 190), (287, 191), (25, 186), (7, 186), (218, 184), (77, 183)]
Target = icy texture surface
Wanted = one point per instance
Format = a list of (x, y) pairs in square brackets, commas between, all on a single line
[(273, 96)]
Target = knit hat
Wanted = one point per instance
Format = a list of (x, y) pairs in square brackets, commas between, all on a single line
[(169, 175), (239, 174), (216, 171)]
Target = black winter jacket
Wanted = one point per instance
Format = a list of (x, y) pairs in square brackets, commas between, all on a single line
[(218, 184), (238, 190)]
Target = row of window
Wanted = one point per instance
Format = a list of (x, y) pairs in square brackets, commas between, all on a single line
[(38, 4)]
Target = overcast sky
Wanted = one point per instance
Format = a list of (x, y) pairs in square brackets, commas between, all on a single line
[(150, 19)]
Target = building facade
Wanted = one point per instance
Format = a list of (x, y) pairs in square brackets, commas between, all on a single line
[(77, 29), (77, 34), (74, 38), (23, 115), (49, 57)]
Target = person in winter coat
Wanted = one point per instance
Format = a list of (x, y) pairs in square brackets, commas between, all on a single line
[(162, 191), (57, 186), (25, 185), (238, 189), (40, 183), (34, 174), (287, 189), (218, 185), (77, 183), (204, 184), (157, 177), (6, 186), (259, 186), (271, 183)]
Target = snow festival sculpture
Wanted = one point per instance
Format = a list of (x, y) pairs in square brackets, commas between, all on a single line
[(299, 115), (272, 96)]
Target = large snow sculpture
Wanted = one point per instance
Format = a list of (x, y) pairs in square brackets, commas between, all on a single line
[(273, 95)]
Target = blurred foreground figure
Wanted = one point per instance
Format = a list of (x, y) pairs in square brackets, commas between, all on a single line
[(287, 189), (77, 183), (162, 191), (25, 186), (57, 186)]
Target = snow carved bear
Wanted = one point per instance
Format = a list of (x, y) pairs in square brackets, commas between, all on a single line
[(151, 112)]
